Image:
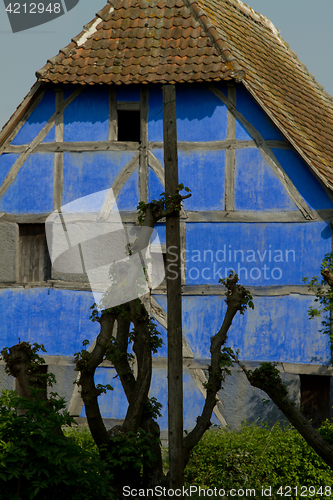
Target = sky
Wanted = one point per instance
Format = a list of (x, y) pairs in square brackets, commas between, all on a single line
[(304, 24)]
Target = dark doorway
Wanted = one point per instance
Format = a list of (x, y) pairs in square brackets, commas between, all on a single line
[(315, 398)]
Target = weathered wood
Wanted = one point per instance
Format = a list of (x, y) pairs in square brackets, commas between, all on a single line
[(34, 143), (230, 156), (113, 129), (27, 106), (267, 154), (32, 258), (191, 216), (125, 174), (128, 106), (113, 145), (143, 167), (156, 167), (77, 147), (174, 298), (220, 145), (260, 291), (58, 168), (256, 216)]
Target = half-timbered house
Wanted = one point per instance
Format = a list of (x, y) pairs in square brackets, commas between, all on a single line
[(255, 146)]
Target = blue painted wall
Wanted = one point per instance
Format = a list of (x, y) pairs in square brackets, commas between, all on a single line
[(32, 189), (86, 118), (256, 185), (59, 319), (261, 254), (278, 329), (91, 172), (37, 120)]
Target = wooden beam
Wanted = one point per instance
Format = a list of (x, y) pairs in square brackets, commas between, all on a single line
[(58, 169), (113, 125), (174, 298), (129, 105), (125, 174), (191, 216), (143, 167), (220, 145), (230, 156), (257, 216), (256, 291), (34, 143), (114, 145), (267, 154), (27, 106)]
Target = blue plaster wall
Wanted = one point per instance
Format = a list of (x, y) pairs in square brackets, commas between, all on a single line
[(201, 116), (32, 189), (86, 118), (306, 183), (256, 185), (155, 188), (37, 120), (203, 173), (278, 329), (261, 254), (59, 319), (91, 172), (7, 160), (255, 115)]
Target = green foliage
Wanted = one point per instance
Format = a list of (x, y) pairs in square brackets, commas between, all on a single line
[(247, 300), (36, 361), (256, 457), (130, 451), (167, 204), (323, 297), (37, 462)]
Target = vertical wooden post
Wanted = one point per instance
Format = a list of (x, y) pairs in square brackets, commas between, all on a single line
[(174, 298)]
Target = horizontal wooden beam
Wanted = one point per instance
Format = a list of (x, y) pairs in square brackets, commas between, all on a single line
[(256, 216), (191, 216), (256, 291), (78, 147), (203, 364), (196, 290), (128, 106)]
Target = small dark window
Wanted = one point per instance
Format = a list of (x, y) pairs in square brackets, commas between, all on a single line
[(128, 125), (315, 398), (35, 264)]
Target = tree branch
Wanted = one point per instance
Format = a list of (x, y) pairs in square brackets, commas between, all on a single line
[(87, 365), (267, 378), (237, 298)]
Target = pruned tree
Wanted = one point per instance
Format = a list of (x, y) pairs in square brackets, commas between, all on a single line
[(132, 451)]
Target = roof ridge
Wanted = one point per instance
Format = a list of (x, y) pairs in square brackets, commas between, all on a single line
[(222, 47)]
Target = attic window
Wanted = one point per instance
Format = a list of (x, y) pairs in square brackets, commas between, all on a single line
[(315, 398), (128, 121), (34, 259)]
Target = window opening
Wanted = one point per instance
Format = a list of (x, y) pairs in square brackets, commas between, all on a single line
[(315, 398), (34, 259), (128, 125)]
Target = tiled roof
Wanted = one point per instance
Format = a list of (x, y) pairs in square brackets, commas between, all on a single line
[(173, 41), (143, 41)]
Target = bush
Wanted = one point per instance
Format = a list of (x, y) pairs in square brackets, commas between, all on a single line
[(37, 462), (257, 457)]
